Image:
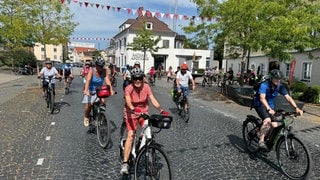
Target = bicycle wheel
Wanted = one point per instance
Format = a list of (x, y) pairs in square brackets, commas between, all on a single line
[(186, 115), (123, 137), (103, 130), (250, 136), (51, 102), (152, 163), (114, 82), (293, 159), (203, 84)]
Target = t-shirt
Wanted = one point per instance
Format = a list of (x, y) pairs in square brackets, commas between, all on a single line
[(67, 69), (96, 81), (265, 88), (184, 78), (49, 72), (138, 99)]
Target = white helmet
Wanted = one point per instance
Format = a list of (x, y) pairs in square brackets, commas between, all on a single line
[(67, 61)]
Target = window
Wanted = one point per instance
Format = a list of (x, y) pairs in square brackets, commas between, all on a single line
[(42, 49), (55, 57), (54, 49), (148, 25), (306, 70), (262, 69), (165, 44), (287, 73)]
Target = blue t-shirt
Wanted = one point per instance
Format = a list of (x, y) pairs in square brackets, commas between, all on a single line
[(265, 88), (67, 69)]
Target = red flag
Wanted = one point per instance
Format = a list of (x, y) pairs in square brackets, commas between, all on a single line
[(291, 71)]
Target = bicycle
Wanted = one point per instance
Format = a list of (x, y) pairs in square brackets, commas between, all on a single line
[(50, 93), (67, 88), (181, 103), (207, 80), (292, 155), (147, 157), (97, 118), (113, 81)]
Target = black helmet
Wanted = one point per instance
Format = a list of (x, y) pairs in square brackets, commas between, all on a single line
[(48, 62), (136, 72), (99, 62), (276, 74)]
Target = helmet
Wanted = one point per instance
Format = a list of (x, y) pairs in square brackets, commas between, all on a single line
[(136, 72), (137, 62), (111, 66), (276, 74), (184, 66), (99, 62), (48, 62), (67, 61), (88, 63)]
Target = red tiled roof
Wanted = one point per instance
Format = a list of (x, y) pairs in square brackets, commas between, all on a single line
[(84, 49)]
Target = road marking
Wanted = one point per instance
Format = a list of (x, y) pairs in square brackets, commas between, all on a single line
[(40, 161), (53, 123), (48, 138), (25, 111)]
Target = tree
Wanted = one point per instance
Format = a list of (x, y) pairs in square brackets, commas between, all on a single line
[(13, 24), (275, 26), (52, 21), (145, 42)]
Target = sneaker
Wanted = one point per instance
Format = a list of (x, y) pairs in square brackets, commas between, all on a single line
[(263, 146), (124, 168)]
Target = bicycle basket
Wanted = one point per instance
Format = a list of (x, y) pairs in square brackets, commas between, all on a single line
[(103, 91), (160, 121)]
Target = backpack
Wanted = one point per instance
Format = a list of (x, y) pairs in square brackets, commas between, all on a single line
[(256, 87)]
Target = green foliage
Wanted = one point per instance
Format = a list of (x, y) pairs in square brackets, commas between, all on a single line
[(311, 95), (200, 71), (299, 86)]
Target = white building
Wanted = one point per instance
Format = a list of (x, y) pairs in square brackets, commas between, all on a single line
[(53, 52), (171, 52)]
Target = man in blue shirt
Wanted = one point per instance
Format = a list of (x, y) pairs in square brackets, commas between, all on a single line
[(67, 72), (264, 102)]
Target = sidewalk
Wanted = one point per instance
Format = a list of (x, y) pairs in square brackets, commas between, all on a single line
[(7, 77)]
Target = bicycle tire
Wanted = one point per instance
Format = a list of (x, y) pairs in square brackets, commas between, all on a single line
[(103, 130), (250, 129), (203, 84), (114, 82), (186, 115), (152, 163), (51, 102), (297, 164), (123, 136)]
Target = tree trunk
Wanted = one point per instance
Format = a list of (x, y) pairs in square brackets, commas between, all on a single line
[(243, 66)]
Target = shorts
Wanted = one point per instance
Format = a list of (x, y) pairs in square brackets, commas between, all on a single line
[(45, 84), (90, 99), (131, 120), (262, 112), (186, 89)]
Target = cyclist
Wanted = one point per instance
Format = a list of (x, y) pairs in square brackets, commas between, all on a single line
[(152, 73), (95, 78), (67, 72), (137, 96), (84, 72), (182, 81), (126, 77), (45, 72), (264, 102)]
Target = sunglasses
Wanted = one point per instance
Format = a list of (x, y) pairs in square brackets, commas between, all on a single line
[(137, 78)]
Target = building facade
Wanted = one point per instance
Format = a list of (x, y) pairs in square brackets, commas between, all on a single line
[(171, 52), (51, 52)]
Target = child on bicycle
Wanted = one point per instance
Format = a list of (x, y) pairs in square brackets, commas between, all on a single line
[(264, 102), (137, 95), (95, 78)]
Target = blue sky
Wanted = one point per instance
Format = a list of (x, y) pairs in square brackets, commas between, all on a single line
[(100, 23)]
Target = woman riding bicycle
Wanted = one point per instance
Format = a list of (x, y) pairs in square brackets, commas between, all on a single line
[(47, 71), (95, 78), (264, 102), (182, 81), (137, 95)]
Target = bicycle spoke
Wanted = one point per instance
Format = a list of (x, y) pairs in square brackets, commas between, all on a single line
[(103, 130)]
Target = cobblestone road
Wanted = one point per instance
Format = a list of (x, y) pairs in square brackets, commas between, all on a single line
[(37, 145)]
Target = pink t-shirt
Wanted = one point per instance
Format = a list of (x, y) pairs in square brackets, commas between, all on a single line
[(138, 99)]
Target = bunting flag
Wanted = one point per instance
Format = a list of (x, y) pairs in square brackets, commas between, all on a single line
[(90, 38), (143, 12)]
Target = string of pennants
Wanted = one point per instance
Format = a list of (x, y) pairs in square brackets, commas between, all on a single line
[(144, 12), (90, 38)]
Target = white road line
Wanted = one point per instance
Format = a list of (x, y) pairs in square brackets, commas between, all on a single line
[(53, 123), (40, 161), (25, 111), (48, 138)]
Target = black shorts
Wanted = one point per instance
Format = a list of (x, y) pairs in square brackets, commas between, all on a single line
[(262, 112), (45, 84)]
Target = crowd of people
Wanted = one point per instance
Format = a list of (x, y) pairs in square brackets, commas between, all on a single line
[(138, 93)]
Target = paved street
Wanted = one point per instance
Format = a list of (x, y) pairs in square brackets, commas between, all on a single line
[(35, 144)]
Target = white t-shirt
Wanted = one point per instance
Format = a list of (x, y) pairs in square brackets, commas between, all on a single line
[(184, 79), (49, 72)]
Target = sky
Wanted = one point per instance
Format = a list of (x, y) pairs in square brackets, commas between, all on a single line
[(102, 24)]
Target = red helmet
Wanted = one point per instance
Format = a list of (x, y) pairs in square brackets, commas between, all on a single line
[(184, 66)]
